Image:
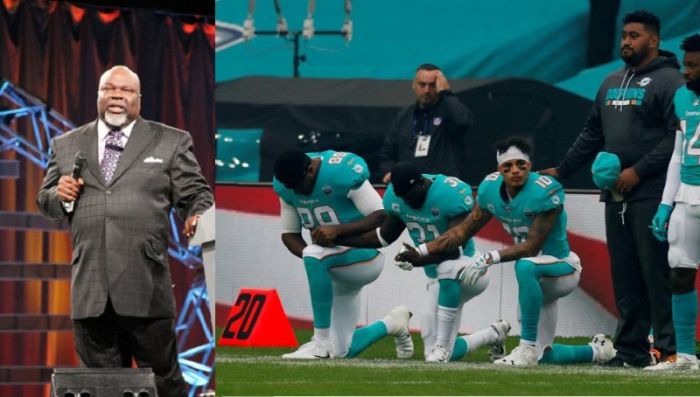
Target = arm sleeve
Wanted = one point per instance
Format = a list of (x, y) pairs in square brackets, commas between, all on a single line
[(366, 199), (191, 194), (588, 143), (289, 218), (458, 114), (656, 160), (673, 175), (206, 228), (48, 202)]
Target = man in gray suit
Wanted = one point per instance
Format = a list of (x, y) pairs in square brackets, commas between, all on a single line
[(122, 302)]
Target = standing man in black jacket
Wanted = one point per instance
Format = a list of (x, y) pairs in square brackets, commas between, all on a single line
[(633, 118), (431, 132)]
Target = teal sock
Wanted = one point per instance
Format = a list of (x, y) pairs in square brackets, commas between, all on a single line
[(685, 313), (449, 293), (567, 354), (459, 350), (364, 337), (530, 292), (321, 290)]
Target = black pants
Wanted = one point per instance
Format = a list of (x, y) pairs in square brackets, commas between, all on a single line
[(641, 281), (111, 340)]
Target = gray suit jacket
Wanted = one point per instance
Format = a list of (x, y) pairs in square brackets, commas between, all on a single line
[(120, 230)]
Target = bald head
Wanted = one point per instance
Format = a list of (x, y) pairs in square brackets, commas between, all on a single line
[(123, 70), (119, 96)]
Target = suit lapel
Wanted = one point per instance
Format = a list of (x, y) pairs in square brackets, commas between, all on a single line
[(88, 145), (140, 137)]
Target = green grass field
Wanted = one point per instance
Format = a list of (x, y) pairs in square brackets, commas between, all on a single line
[(249, 371)]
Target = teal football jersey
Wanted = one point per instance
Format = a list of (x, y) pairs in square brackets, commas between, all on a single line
[(540, 194), (447, 198), (687, 105), (328, 203)]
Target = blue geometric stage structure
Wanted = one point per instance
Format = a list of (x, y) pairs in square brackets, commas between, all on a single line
[(17, 106), (197, 363)]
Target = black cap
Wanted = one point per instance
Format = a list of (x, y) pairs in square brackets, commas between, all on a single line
[(291, 167), (404, 176)]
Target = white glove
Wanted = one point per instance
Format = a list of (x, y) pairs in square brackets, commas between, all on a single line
[(407, 266), (474, 270)]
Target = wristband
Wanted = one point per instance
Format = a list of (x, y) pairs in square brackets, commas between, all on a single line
[(423, 249), (495, 256), (381, 240)]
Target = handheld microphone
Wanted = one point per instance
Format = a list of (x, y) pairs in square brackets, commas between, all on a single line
[(80, 159)]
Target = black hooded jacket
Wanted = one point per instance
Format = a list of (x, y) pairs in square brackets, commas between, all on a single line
[(632, 117)]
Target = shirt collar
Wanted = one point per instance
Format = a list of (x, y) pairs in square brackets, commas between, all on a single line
[(103, 129)]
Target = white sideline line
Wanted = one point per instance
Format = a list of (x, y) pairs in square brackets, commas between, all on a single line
[(631, 374)]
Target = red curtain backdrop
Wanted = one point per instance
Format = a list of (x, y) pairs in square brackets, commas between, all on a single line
[(57, 51)]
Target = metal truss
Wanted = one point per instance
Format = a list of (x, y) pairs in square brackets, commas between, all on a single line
[(196, 362), (15, 105)]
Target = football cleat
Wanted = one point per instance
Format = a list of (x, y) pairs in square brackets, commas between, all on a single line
[(404, 346), (313, 350), (397, 325), (675, 362), (603, 349), (521, 356), (498, 348), (440, 354)]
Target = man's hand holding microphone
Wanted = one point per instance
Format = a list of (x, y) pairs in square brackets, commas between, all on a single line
[(69, 186)]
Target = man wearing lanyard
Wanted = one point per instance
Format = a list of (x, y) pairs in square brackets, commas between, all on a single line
[(431, 132)]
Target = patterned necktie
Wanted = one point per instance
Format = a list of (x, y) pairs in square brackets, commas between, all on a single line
[(113, 150)]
